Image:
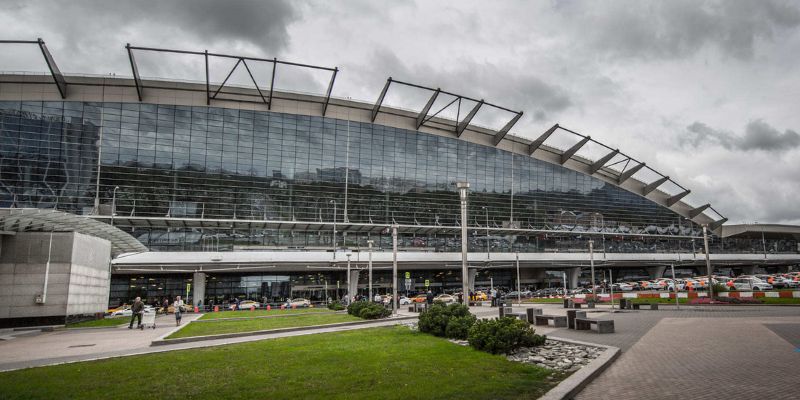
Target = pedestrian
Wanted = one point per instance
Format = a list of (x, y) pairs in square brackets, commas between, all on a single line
[(377, 298), (165, 306), (429, 297), (137, 309), (178, 304)]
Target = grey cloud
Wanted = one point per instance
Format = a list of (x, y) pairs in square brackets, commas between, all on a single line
[(758, 135), (676, 29)]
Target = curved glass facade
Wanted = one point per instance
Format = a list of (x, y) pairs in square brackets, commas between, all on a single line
[(215, 163)]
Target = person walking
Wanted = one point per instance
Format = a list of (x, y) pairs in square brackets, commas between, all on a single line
[(165, 306), (178, 304), (137, 309), (429, 297)]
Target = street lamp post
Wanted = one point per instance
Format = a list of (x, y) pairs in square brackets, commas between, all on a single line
[(114, 204), (394, 269), (463, 188), (519, 289), (334, 228), (487, 232), (369, 286), (349, 286), (591, 265), (708, 263)]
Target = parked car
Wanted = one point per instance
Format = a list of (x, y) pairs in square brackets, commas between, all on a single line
[(751, 283), (246, 305), (480, 296), (445, 298), (298, 302), (125, 312), (420, 298), (404, 300), (622, 287)]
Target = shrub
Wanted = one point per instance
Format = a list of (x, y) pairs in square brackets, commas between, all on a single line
[(436, 319), (355, 307), (720, 287), (373, 311), (458, 327), (503, 335), (336, 306)]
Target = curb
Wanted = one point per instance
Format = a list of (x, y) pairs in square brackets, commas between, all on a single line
[(573, 385), (161, 341)]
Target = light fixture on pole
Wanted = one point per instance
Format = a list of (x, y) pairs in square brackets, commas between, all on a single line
[(487, 232), (591, 264), (708, 263), (394, 269), (369, 286), (519, 289), (349, 286), (114, 204), (334, 228), (463, 188)]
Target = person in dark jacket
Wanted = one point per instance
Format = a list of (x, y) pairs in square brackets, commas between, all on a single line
[(137, 309), (429, 297)]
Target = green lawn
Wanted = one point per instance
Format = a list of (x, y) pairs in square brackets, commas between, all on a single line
[(261, 313), (101, 322), (778, 300), (379, 363), (259, 324)]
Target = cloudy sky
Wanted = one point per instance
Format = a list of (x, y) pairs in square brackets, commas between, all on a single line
[(707, 92)]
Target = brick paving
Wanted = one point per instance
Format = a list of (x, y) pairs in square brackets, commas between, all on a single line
[(710, 353)]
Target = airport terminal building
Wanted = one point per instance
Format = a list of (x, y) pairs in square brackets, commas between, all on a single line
[(216, 191)]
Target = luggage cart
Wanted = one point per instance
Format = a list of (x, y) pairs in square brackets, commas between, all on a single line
[(148, 319)]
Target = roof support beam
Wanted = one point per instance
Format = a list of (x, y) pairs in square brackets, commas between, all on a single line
[(208, 82), (58, 77), (624, 176), (674, 199), (428, 105), (538, 142), (504, 130), (465, 122), (328, 93), (653, 185), (378, 103), (136, 79), (272, 82), (574, 149), (697, 211), (599, 163), (716, 224)]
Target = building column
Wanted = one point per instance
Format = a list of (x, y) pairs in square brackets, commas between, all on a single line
[(353, 289), (472, 272), (199, 288), (749, 270), (656, 272), (573, 275)]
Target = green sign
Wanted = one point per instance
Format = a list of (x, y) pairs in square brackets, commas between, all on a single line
[(188, 287), (427, 283), (408, 275)]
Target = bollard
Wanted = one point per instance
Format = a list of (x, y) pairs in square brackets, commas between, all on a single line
[(196, 309), (283, 306), (216, 308), (269, 307), (294, 306), (252, 308)]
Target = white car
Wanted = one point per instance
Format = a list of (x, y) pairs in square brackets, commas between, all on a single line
[(404, 300), (246, 305), (622, 287), (298, 302), (750, 284), (121, 313), (444, 298)]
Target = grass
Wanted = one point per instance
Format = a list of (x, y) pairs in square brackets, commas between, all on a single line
[(259, 324), (100, 322), (260, 313), (379, 363), (762, 300), (778, 300)]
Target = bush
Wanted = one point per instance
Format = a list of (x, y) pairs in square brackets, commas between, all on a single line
[(458, 327), (373, 311), (503, 335), (436, 319), (355, 307), (720, 287), (336, 306)]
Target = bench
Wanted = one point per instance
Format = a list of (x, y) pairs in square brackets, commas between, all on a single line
[(505, 310), (652, 306), (533, 312), (603, 325), (559, 321), (571, 315), (520, 315)]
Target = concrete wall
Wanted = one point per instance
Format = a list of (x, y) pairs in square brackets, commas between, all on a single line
[(78, 282)]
